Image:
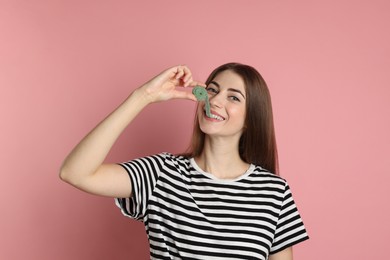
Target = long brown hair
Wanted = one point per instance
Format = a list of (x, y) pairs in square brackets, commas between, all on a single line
[(257, 143)]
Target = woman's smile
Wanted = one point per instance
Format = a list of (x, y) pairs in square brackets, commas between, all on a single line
[(215, 116)]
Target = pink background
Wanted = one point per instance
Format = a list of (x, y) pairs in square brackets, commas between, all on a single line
[(64, 65)]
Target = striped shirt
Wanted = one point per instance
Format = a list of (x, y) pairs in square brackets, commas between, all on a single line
[(190, 214)]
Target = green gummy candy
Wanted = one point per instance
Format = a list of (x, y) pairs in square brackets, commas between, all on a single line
[(201, 94)]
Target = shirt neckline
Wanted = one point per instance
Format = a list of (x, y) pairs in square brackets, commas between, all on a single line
[(213, 177)]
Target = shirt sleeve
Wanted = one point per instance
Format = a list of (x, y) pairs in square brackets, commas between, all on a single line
[(290, 229), (144, 173)]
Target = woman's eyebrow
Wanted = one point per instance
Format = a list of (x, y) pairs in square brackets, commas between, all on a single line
[(215, 83), (236, 90), (229, 89)]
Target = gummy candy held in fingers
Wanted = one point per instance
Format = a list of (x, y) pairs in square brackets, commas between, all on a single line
[(201, 94)]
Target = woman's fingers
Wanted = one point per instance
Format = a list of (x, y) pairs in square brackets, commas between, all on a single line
[(182, 94), (183, 74), (196, 83), (187, 81), (168, 84), (180, 71), (187, 74)]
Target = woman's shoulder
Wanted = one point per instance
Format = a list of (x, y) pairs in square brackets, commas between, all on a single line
[(171, 156), (263, 173), (164, 156), (175, 160)]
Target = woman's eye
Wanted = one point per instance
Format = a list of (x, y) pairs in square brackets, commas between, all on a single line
[(211, 90), (234, 98)]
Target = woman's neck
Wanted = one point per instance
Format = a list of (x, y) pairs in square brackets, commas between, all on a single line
[(222, 159)]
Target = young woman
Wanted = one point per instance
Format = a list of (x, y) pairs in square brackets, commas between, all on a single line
[(221, 200)]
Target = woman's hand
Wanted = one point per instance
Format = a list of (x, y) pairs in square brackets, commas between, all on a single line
[(164, 86)]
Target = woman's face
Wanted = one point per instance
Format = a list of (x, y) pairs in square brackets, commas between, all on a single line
[(227, 97)]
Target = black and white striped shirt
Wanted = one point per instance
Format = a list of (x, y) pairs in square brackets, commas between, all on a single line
[(190, 214)]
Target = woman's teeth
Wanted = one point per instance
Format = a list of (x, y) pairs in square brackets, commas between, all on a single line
[(216, 117)]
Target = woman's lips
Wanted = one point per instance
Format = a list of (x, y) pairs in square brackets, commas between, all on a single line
[(216, 116)]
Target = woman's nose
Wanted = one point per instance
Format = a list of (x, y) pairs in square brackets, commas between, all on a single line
[(216, 100)]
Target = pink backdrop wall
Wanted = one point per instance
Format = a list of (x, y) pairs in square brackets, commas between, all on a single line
[(65, 64)]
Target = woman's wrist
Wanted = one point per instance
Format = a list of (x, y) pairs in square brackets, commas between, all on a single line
[(141, 97)]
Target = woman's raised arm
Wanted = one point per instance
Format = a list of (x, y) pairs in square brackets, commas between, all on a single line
[(84, 167)]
